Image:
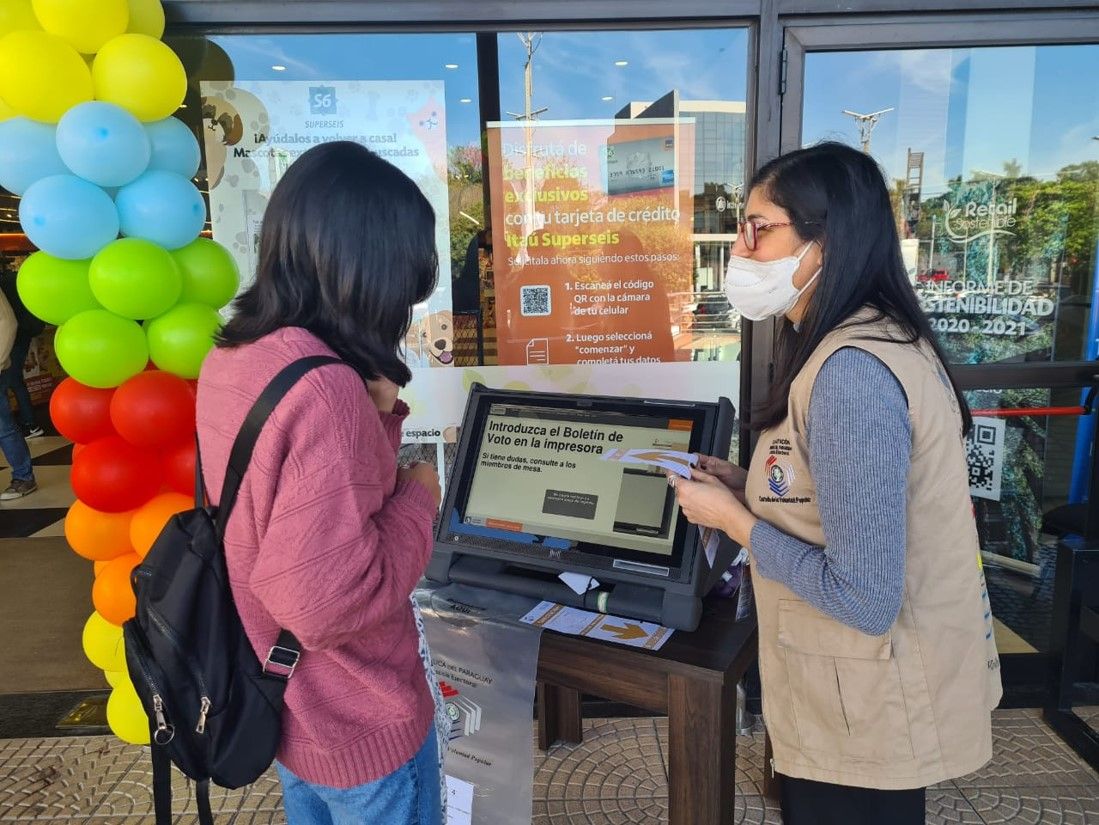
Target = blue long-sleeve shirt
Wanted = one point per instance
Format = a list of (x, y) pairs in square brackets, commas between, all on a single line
[(860, 441)]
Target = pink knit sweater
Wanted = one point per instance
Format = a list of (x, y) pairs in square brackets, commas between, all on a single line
[(326, 543)]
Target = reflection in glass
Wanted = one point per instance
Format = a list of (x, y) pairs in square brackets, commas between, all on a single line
[(257, 103), (311, 64), (1020, 467), (995, 178), (627, 82)]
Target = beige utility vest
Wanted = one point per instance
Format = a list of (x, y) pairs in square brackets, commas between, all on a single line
[(912, 707)]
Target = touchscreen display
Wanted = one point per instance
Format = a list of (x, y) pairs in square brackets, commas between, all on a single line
[(541, 470)]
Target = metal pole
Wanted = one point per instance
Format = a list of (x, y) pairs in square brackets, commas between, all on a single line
[(931, 254), (528, 94), (991, 233)]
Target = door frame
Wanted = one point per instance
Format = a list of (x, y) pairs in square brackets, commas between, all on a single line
[(802, 35)]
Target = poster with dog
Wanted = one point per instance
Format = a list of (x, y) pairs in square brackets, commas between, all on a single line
[(430, 340), (254, 131)]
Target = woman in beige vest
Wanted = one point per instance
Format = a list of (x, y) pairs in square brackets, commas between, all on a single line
[(877, 657)]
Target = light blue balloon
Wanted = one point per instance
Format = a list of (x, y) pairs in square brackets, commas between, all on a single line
[(161, 207), (103, 143), (28, 153), (175, 147), (68, 217)]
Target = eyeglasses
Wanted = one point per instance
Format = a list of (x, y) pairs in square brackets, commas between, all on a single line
[(749, 231)]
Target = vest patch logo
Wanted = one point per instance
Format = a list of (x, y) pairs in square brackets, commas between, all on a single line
[(779, 476)]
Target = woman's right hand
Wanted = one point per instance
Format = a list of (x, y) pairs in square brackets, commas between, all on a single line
[(732, 476), (425, 475)]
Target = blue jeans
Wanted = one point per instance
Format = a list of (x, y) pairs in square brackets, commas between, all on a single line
[(13, 445), (408, 796), (12, 379)]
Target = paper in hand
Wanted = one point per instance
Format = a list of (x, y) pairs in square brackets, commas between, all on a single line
[(710, 541), (674, 461)]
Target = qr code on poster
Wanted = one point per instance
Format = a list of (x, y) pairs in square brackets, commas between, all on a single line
[(984, 454), (534, 300)]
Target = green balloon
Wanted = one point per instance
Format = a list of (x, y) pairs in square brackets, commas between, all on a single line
[(135, 278), (210, 274), (180, 339), (100, 349), (54, 289)]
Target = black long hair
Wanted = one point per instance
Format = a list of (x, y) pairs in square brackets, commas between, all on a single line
[(347, 249), (836, 196)]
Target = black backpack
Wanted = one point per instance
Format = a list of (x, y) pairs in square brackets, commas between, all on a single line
[(214, 709)]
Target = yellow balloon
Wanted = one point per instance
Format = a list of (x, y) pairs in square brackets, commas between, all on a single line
[(103, 644), (126, 716), (115, 677), (146, 17), (140, 74), (6, 111), (16, 15), (42, 76), (84, 24)]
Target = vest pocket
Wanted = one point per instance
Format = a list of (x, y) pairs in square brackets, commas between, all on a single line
[(844, 686)]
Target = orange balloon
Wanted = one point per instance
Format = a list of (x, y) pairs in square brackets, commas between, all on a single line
[(98, 566), (150, 518), (78, 449), (98, 536), (112, 594)]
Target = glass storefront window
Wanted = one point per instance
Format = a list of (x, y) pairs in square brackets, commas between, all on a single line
[(994, 164), (1021, 467), (583, 253), (634, 144), (259, 102)]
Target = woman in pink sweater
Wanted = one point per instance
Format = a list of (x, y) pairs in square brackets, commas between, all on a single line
[(329, 536)]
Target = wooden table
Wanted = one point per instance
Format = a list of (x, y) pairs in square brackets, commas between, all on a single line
[(692, 679)]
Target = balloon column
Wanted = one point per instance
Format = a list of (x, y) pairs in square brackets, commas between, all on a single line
[(87, 138)]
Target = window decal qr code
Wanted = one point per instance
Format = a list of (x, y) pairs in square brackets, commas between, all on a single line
[(534, 300), (985, 455)]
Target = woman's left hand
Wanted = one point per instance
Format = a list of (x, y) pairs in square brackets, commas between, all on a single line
[(707, 502)]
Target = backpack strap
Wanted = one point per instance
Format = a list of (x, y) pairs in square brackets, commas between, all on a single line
[(202, 798), (283, 656), (245, 443), (162, 780), (201, 496)]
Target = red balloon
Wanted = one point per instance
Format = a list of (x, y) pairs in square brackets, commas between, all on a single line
[(179, 467), (154, 409), (81, 414), (113, 476)]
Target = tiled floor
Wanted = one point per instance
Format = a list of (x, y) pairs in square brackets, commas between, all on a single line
[(618, 775)]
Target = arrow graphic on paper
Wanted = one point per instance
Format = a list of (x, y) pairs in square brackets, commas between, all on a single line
[(654, 455), (626, 633), (674, 460)]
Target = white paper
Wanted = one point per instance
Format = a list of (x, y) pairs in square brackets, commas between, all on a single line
[(560, 618), (673, 460), (578, 582), (710, 540), (459, 802), (576, 622), (985, 457)]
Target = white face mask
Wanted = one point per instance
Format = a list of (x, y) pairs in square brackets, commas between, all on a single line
[(765, 289)]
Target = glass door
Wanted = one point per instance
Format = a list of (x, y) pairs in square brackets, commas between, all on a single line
[(989, 138)]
